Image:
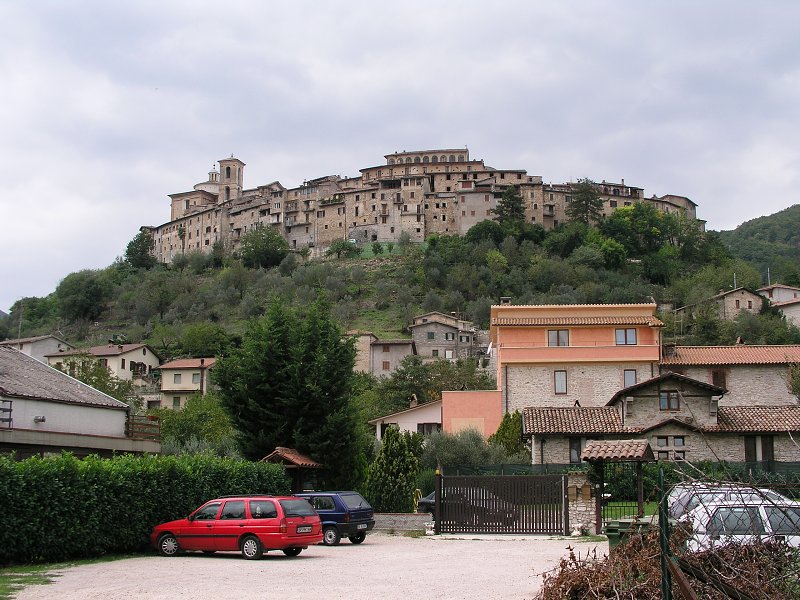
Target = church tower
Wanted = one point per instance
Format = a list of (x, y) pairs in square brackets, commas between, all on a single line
[(231, 178)]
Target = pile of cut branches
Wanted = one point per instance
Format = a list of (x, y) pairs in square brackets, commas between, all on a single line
[(633, 572)]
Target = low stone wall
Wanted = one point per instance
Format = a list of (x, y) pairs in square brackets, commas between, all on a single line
[(581, 504), (401, 521)]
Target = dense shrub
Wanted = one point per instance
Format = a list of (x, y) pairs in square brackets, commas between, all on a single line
[(61, 508)]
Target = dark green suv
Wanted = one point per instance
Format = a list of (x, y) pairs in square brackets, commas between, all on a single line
[(343, 514)]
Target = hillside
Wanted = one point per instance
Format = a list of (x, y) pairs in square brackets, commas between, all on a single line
[(200, 305), (771, 242)]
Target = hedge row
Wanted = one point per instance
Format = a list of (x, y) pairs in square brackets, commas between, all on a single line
[(62, 508)]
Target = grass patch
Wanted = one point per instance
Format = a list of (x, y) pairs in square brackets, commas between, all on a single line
[(414, 533), (14, 579)]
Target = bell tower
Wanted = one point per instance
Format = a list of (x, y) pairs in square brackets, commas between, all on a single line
[(231, 178)]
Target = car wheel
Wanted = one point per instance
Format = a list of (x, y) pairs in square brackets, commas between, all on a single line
[(358, 538), (251, 548), (168, 545), (292, 551), (331, 536)]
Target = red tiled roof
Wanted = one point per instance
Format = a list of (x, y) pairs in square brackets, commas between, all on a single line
[(189, 363), (107, 350), (633, 450), (755, 419), (590, 420), (291, 457), (650, 321), (732, 355)]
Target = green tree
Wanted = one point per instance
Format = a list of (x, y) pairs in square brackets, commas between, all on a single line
[(793, 379), (509, 435), (510, 209), (289, 384), (87, 368), (263, 248), (205, 339), (83, 295), (138, 252), (377, 248), (485, 230), (202, 424), (586, 205), (343, 248), (465, 448), (392, 477)]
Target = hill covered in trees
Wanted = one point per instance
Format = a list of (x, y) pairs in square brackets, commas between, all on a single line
[(201, 304)]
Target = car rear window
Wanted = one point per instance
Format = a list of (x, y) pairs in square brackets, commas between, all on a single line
[(355, 501), (263, 509), (297, 508), (784, 520)]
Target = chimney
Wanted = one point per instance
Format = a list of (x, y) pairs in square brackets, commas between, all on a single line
[(505, 299), (202, 362), (669, 350)]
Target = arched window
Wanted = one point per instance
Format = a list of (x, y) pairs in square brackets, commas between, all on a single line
[(408, 159), (452, 158), (460, 158), (227, 193), (425, 159), (435, 159), (416, 159), (391, 161), (228, 172), (443, 158)]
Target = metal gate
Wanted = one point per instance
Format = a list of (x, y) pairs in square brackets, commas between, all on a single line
[(502, 504)]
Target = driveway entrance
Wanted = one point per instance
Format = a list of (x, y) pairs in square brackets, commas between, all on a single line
[(522, 504)]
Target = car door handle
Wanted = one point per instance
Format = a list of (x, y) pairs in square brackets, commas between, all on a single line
[(241, 524), (209, 525)]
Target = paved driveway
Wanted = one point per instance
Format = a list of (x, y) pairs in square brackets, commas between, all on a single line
[(384, 566)]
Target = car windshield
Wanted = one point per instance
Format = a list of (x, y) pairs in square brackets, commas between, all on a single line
[(355, 501), (297, 508)]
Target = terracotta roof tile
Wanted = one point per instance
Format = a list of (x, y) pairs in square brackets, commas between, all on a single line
[(638, 450), (731, 355), (590, 420), (291, 457), (189, 363), (107, 350), (650, 321), (755, 419)]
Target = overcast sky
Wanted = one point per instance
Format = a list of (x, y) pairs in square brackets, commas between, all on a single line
[(107, 107)]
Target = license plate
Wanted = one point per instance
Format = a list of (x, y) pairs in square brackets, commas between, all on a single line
[(304, 529), (361, 526)]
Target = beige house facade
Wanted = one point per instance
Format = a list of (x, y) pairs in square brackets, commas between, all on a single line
[(380, 357), (420, 193), (181, 379), (419, 418), (726, 305), (131, 362)]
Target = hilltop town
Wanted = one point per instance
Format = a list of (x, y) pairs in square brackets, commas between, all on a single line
[(419, 193)]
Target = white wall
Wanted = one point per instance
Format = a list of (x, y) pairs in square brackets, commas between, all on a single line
[(68, 418)]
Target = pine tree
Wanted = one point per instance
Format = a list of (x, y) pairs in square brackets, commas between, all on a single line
[(289, 385), (392, 477), (586, 205), (510, 208)]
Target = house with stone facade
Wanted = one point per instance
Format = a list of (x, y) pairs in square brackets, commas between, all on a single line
[(419, 193), (681, 418), (39, 346), (563, 355), (439, 335), (380, 357), (726, 305), (752, 375), (181, 379)]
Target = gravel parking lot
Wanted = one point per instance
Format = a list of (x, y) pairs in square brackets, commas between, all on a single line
[(384, 566)]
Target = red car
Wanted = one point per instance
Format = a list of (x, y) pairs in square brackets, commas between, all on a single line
[(251, 525)]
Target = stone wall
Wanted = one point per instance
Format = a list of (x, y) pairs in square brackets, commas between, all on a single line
[(401, 521), (581, 504)]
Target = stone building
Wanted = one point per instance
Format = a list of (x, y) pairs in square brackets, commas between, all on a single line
[(419, 193), (438, 335)]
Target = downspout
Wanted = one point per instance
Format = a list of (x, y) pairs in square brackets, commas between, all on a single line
[(505, 387), (202, 376)]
